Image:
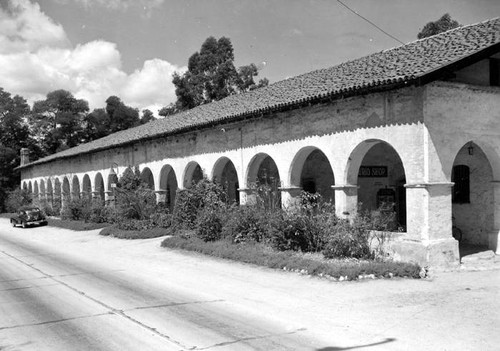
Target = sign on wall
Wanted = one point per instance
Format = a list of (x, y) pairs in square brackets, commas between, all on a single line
[(373, 172)]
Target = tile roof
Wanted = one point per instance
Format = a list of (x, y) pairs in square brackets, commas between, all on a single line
[(382, 70)]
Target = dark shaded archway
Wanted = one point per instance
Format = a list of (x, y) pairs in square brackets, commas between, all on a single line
[(225, 174), (86, 187), (50, 193), (312, 172), (147, 178), (378, 171), (193, 174), (263, 175), (36, 191), (473, 202), (75, 192), (99, 187), (168, 183), (57, 203)]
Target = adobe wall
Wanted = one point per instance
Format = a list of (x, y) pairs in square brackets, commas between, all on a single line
[(335, 128), (456, 115)]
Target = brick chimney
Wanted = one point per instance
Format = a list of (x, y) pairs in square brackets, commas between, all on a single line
[(25, 156)]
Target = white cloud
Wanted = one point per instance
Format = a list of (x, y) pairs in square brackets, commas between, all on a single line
[(23, 27), (39, 63)]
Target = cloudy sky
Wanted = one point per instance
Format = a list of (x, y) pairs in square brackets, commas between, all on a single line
[(130, 48)]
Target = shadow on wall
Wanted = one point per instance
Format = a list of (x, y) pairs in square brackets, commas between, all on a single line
[(334, 348)]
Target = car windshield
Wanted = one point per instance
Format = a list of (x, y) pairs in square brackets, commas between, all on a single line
[(32, 212)]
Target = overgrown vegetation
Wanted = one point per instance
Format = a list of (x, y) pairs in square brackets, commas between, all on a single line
[(306, 237)]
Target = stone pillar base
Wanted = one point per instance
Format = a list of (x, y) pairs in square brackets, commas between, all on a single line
[(290, 196), (494, 241), (161, 196), (436, 254)]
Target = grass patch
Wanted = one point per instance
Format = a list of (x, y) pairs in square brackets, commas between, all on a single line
[(66, 223), (75, 225), (114, 231), (259, 254)]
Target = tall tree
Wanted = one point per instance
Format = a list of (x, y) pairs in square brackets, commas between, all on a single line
[(211, 76), (57, 120), (441, 25), (147, 116), (96, 125), (14, 135), (120, 115)]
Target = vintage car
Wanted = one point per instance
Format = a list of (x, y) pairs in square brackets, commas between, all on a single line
[(27, 216)]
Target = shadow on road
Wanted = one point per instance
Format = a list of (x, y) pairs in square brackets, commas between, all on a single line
[(334, 348)]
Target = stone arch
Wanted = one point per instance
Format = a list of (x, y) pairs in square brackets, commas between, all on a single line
[(263, 171), (30, 188), (225, 174), (86, 187), (75, 188), (312, 172), (473, 195), (147, 178), (168, 184), (36, 191), (66, 189), (42, 188), (112, 179), (99, 187), (377, 170), (192, 174), (57, 202), (50, 192)]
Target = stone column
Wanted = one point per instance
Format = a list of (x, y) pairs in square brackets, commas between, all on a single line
[(429, 212), (346, 200), (290, 196), (247, 196), (161, 196), (494, 236), (108, 197)]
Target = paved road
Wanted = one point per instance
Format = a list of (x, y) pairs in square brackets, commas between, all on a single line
[(63, 290)]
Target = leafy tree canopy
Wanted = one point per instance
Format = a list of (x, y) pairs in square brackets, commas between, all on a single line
[(57, 121), (441, 25), (211, 76), (120, 115)]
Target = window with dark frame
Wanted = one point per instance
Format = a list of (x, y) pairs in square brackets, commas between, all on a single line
[(461, 190)]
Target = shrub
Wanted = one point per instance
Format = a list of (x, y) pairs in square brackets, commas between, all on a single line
[(190, 202), (17, 198), (134, 198), (209, 223), (348, 239), (162, 220), (246, 223), (304, 227), (76, 209), (298, 231), (99, 213)]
